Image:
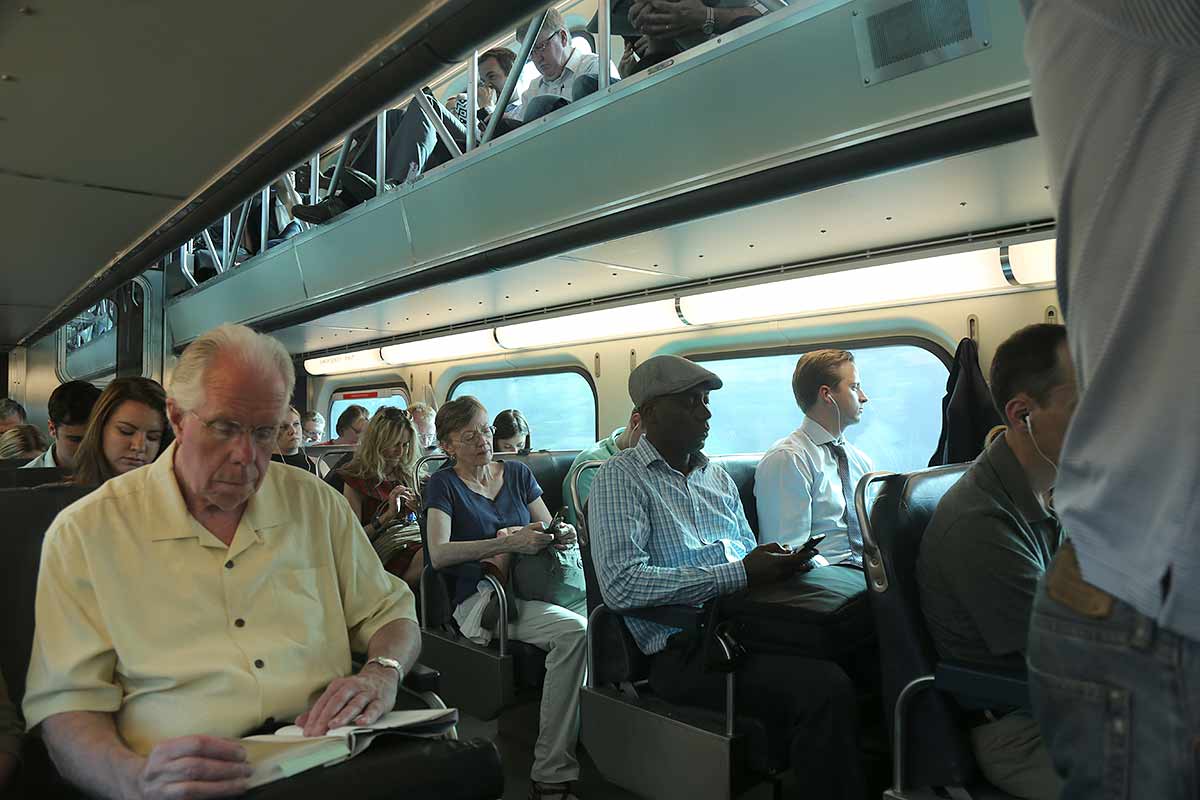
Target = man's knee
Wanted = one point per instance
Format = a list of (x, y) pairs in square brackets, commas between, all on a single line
[(583, 86)]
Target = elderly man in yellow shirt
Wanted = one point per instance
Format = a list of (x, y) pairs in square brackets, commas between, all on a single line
[(189, 601)]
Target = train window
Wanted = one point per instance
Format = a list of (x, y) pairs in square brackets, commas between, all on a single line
[(560, 406), (899, 429), (370, 399)]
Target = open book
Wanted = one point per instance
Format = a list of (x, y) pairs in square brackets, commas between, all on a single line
[(288, 751)]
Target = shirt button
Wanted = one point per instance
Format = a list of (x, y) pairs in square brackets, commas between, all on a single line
[(228, 565), (241, 623), (258, 662)]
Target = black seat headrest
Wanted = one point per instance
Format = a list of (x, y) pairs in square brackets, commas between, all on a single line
[(741, 468), (34, 476)]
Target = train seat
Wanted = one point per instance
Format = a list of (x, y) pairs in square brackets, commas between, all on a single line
[(34, 476), (468, 770), (930, 743)]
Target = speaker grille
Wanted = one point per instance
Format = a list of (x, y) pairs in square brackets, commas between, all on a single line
[(897, 37)]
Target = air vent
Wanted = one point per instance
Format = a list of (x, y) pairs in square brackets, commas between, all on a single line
[(899, 37)]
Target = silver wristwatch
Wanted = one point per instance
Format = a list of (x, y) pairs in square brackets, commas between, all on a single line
[(388, 662), (710, 22)]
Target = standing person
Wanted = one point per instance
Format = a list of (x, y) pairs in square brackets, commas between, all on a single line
[(287, 445), (70, 406), (1114, 645), (126, 431), (380, 481), (805, 483), (478, 509), (512, 432)]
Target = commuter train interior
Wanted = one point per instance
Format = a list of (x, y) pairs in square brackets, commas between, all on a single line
[(853, 174)]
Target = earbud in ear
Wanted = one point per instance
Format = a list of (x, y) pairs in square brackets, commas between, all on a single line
[(1025, 417)]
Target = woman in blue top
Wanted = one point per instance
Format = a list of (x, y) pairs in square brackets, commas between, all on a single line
[(480, 509)]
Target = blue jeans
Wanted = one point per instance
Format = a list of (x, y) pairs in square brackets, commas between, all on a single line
[(1116, 696)]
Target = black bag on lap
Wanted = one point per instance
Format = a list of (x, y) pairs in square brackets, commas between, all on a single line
[(823, 613)]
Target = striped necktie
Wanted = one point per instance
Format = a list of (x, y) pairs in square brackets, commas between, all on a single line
[(852, 530)]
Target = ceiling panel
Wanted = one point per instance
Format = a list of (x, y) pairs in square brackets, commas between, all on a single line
[(160, 96), (986, 190), (522, 289)]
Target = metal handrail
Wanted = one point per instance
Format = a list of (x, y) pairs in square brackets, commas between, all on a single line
[(580, 514), (510, 84), (872, 558), (914, 686), (435, 119)]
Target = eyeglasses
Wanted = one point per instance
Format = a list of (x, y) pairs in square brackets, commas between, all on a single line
[(541, 46), (224, 430), (473, 435)]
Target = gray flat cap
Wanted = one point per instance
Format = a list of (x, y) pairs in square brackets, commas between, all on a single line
[(662, 375)]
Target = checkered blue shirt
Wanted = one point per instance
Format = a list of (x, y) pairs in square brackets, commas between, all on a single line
[(659, 538)]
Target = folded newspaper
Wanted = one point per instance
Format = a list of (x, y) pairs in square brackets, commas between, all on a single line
[(289, 752)]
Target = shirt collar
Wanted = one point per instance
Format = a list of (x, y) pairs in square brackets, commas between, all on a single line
[(178, 522), (573, 62), (1000, 457), (817, 433), (646, 454)]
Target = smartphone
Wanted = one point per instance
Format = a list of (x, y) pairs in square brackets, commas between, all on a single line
[(558, 518), (815, 540)]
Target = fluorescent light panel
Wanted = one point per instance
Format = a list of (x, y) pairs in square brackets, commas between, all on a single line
[(608, 323), (358, 361), (457, 345), (1034, 262), (927, 278)]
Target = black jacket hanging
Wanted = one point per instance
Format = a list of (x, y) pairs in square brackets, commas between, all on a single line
[(967, 410)]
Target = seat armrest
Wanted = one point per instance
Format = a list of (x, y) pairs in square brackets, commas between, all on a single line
[(422, 678), (990, 687), (686, 617)]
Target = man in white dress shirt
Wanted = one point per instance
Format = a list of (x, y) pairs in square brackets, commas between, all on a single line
[(565, 73), (805, 483)]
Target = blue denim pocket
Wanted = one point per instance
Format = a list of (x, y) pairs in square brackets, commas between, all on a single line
[(1087, 729)]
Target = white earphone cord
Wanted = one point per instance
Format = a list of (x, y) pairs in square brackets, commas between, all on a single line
[(1032, 438)]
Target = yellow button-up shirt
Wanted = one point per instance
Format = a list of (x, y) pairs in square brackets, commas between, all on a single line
[(143, 613)]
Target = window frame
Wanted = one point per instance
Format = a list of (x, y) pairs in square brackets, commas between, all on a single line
[(929, 345), (587, 376), (400, 384)]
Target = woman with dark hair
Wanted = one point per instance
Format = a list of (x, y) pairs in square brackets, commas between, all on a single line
[(512, 432), (380, 482), (480, 509), (127, 429)]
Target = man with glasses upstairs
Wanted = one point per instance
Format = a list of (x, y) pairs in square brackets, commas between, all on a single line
[(805, 483), (209, 595), (565, 73)]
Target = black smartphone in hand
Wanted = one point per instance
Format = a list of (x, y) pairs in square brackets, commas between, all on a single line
[(813, 541)]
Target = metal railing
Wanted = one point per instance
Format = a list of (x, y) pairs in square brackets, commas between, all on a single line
[(281, 195)]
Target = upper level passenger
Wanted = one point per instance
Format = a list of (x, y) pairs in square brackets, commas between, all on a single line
[(564, 71), (126, 430), (22, 442), (313, 425), (480, 509), (512, 432), (805, 483), (70, 406), (350, 425), (667, 527), (287, 444), (656, 30), (380, 480), (192, 601), (620, 439), (423, 417), (991, 540), (12, 414), (413, 145)]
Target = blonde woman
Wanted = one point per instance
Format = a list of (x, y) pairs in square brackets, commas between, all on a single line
[(380, 481), (24, 442)]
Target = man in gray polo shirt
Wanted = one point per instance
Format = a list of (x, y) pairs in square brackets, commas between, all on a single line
[(1114, 648), (991, 539)]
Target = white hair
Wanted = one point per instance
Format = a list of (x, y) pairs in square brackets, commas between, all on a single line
[(260, 352)]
